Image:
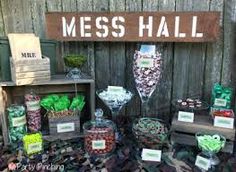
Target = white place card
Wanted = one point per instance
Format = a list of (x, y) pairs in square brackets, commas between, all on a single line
[(186, 116), (145, 62), (151, 155), (34, 147), (98, 144), (114, 88), (202, 163), (220, 102), (224, 122), (66, 127)]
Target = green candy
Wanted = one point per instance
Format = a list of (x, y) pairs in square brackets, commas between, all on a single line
[(210, 143), (220, 92), (17, 122), (77, 103)]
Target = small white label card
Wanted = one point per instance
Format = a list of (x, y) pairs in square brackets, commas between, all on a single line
[(34, 147), (98, 144), (114, 88), (220, 102), (18, 121), (224, 122), (65, 127), (186, 116), (202, 163), (151, 155), (145, 62)]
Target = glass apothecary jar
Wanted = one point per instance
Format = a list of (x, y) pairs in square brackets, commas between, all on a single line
[(99, 135)]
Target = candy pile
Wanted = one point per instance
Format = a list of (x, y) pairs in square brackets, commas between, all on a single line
[(146, 70), (210, 143), (17, 122), (150, 131), (33, 143), (61, 106), (222, 96), (190, 103), (223, 113), (115, 99), (32, 103), (99, 141)]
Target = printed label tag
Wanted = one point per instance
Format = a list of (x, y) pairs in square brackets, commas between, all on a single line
[(33, 105), (98, 144), (65, 127), (186, 116), (151, 155), (18, 121), (145, 62), (114, 88), (202, 163), (34, 147), (224, 122), (220, 102)]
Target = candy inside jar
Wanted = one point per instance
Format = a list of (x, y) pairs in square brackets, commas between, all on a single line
[(99, 135)]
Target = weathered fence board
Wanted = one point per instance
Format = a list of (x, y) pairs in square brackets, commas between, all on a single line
[(188, 69)]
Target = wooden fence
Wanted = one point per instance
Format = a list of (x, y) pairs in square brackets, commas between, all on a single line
[(190, 69)]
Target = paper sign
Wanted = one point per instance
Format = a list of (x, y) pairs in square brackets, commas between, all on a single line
[(145, 62), (202, 163), (18, 121), (151, 155), (114, 88), (224, 122), (34, 147), (65, 127), (186, 116), (220, 102), (33, 105), (98, 144)]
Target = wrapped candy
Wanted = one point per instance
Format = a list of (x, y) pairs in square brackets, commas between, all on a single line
[(17, 122), (32, 103), (221, 96), (33, 143), (146, 70), (77, 103)]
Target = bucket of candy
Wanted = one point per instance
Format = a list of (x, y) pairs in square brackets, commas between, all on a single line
[(210, 145), (99, 135), (150, 132), (33, 143)]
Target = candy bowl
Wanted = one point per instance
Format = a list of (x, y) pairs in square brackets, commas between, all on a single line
[(150, 132), (190, 105), (210, 144), (99, 136)]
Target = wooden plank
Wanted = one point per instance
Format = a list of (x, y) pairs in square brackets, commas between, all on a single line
[(7, 16), (117, 54), (207, 24), (17, 13), (87, 48), (202, 123), (160, 101), (3, 117), (133, 108), (213, 64), (186, 139), (2, 29), (38, 9), (56, 6), (27, 17)]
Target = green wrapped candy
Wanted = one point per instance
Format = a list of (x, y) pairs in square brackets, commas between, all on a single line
[(17, 122), (221, 96), (77, 103), (48, 102)]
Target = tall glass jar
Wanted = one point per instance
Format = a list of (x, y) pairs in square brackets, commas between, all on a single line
[(99, 135)]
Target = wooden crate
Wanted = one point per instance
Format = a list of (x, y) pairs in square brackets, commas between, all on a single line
[(184, 133), (10, 93), (24, 71), (69, 125)]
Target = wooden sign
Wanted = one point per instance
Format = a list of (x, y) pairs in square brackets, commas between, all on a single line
[(134, 26)]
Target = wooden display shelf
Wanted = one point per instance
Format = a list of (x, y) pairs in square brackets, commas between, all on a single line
[(12, 94), (184, 133)]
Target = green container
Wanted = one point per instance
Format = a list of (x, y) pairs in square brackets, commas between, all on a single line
[(48, 47)]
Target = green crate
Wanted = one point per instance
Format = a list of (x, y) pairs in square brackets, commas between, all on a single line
[(48, 47)]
